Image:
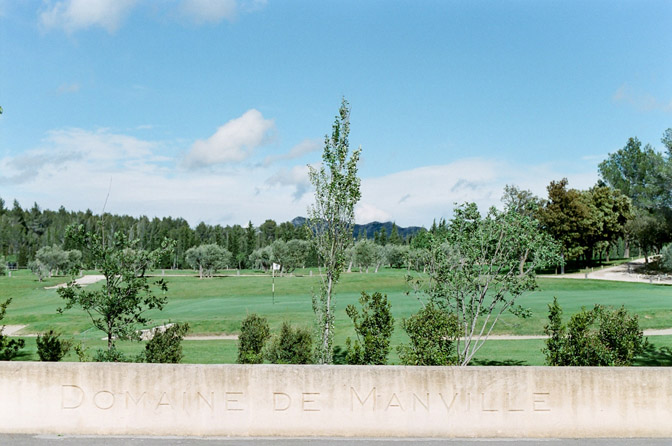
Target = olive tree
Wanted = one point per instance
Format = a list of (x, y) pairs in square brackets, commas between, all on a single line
[(475, 270), (332, 217), (120, 305), (207, 259)]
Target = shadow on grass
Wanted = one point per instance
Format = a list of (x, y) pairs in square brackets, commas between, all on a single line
[(506, 362), (655, 357)]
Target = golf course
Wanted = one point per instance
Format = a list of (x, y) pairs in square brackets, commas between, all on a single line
[(214, 308)]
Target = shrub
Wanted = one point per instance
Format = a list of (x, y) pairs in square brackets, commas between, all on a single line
[(291, 346), (666, 257), (110, 355), (597, 337), (165, 347), (373, 328), (50, 347), (432, 332), (9, 348), (254, 332)]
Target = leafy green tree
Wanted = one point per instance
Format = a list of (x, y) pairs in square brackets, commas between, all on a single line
[(475, 270), (666, 258), (610, 211), (9, 348), (121, 304), (332, 218), (165, 346), (432, 333), (254, 332), (207, 259), (373, 327), (291, 346), (262, 258), (50, 346), (638, 173), (365, 254), (597, 337), (567, 215), (396, 255)]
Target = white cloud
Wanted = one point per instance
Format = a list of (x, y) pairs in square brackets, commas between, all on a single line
[(209, 11), (418, 196), (296, 178), (303, 148), (641, 101), (73, 167), (68, 88), (73, 15), (232, 142), (367, 213)]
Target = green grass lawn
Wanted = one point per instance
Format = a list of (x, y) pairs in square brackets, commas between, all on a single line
[(219, 304)]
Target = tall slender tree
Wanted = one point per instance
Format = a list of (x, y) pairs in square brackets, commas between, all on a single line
[(332, 217)]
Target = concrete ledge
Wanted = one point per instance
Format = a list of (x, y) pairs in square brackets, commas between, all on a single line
[(361, 401)]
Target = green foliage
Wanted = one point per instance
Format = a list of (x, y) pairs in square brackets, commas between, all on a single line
[(207, 259), (9, 348), (119, 306), (291, 346), (475, 272), (254, 332), (110, 355), (332, 217), (597, 337), (366, 253), (165, 346), (432, 334), (666, 258), (50, 347), (373, 328)]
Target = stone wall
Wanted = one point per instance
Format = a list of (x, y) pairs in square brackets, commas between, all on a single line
[(265, 400)]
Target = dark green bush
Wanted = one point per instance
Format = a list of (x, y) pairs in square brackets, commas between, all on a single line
[(9, 348), (597, 337), (110, 355), (374, 329), (50, 347), (254, 332), (291, 346), (432, 332), (165, 347)]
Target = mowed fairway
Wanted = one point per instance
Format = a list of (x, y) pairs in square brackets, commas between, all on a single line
[(217, 305)]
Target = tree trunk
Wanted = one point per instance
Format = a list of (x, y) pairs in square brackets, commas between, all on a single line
[(562, 266), (626, 250)]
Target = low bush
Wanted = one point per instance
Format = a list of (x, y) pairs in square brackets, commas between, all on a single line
[(9, 348), (50, 347), (165, 347), (373, 327), (597, 337), (291, 346), (432, 332), (254, 332)]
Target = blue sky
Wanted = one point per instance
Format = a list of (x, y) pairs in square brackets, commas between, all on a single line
[(212, 109)]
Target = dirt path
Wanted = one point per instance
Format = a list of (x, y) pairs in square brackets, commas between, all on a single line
[(83, 281), (626, 272)]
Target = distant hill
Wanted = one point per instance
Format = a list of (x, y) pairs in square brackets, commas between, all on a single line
[(371, 228)]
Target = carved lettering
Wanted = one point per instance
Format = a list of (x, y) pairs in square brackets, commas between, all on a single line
[(483, 408), (509, 405), (210, 404), (353, 393), (232, 397), (540, 402), (129, 396), (392, 403), (163, 401), (278, 403), (307, 402), (448, 406), (103, 400), (71, 396), (416, 398)]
